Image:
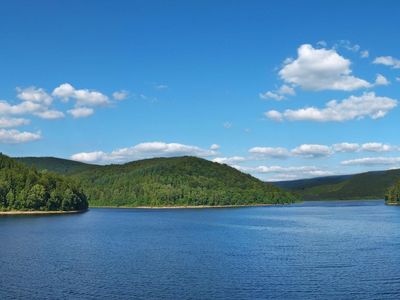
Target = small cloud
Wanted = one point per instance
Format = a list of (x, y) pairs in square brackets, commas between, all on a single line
[(364, 54), (215, 147), (120, 95), (161, 87), (13, 136), (388, 61), (50, 114), (81, 112), (12, 122), (381, 80), (227, 125), (312, 151)]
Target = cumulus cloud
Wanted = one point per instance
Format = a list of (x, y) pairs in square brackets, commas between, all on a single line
[(377, 147), (13, 136), (286, 173), (321, 69), (50, 114), (279, 94), (312, 150), (120, 95), (371, 161), (12, 122), (271, 95), (81, 112), (346, 147), (34, 94), (227, 125), (143, 150), (215, 147), (83, 97), (229, 160), (354, 107), (381, 80), (277, 152), (387, 61)]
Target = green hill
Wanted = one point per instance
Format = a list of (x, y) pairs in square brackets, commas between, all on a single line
[(54, 164), (369, 185), (178, 181), (25, 188)]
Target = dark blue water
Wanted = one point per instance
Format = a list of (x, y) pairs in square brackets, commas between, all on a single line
[(318, 250)]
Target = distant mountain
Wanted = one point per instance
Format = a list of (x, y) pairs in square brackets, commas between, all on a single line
[(369, 185), (177, 181), (24, 188)]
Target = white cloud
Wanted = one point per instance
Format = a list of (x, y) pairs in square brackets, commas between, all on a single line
[(13, 136), (50, 114), (81, 112), (321, 69), (346, 147), (279, 94), (286, 173), (370, 161), (161, 86), (12, 122), (143, 150), (229, 160), (274, 115), (286, 90), (277, 152), (83, 97), (377, 147), (364, 54), (312, 150), (227, 125), (34, 94), (215, 147), (388, 61), (381, 80), (354, 107), (271, 95), (25, 107), (120, 95)]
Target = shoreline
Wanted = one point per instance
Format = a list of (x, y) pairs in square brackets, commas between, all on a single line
[(39, 212), (190, 206)]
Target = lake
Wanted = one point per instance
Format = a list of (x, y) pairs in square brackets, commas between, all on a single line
[(313, 250)]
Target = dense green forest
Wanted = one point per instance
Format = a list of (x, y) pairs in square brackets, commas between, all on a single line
[(25, 188), (369, 185), (179, 181), (393, 194)]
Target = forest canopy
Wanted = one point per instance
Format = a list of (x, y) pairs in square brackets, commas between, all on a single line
[(25, 188)]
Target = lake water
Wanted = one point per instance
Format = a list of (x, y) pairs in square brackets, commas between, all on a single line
[(315, 250)]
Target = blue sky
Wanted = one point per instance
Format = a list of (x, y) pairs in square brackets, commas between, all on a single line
[(250, 84)]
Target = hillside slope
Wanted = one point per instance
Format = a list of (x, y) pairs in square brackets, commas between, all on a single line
[(178, 181), (369, 185), (54, 164), (24, 188)]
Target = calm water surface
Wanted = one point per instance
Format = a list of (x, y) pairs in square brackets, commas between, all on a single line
[(317, 250)]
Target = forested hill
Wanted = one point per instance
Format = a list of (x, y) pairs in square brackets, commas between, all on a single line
[(24, 188), (178, 181), (369, 185), (54, 164)]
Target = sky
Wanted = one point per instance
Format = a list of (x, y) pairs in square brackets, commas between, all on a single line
[(278, 89)]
